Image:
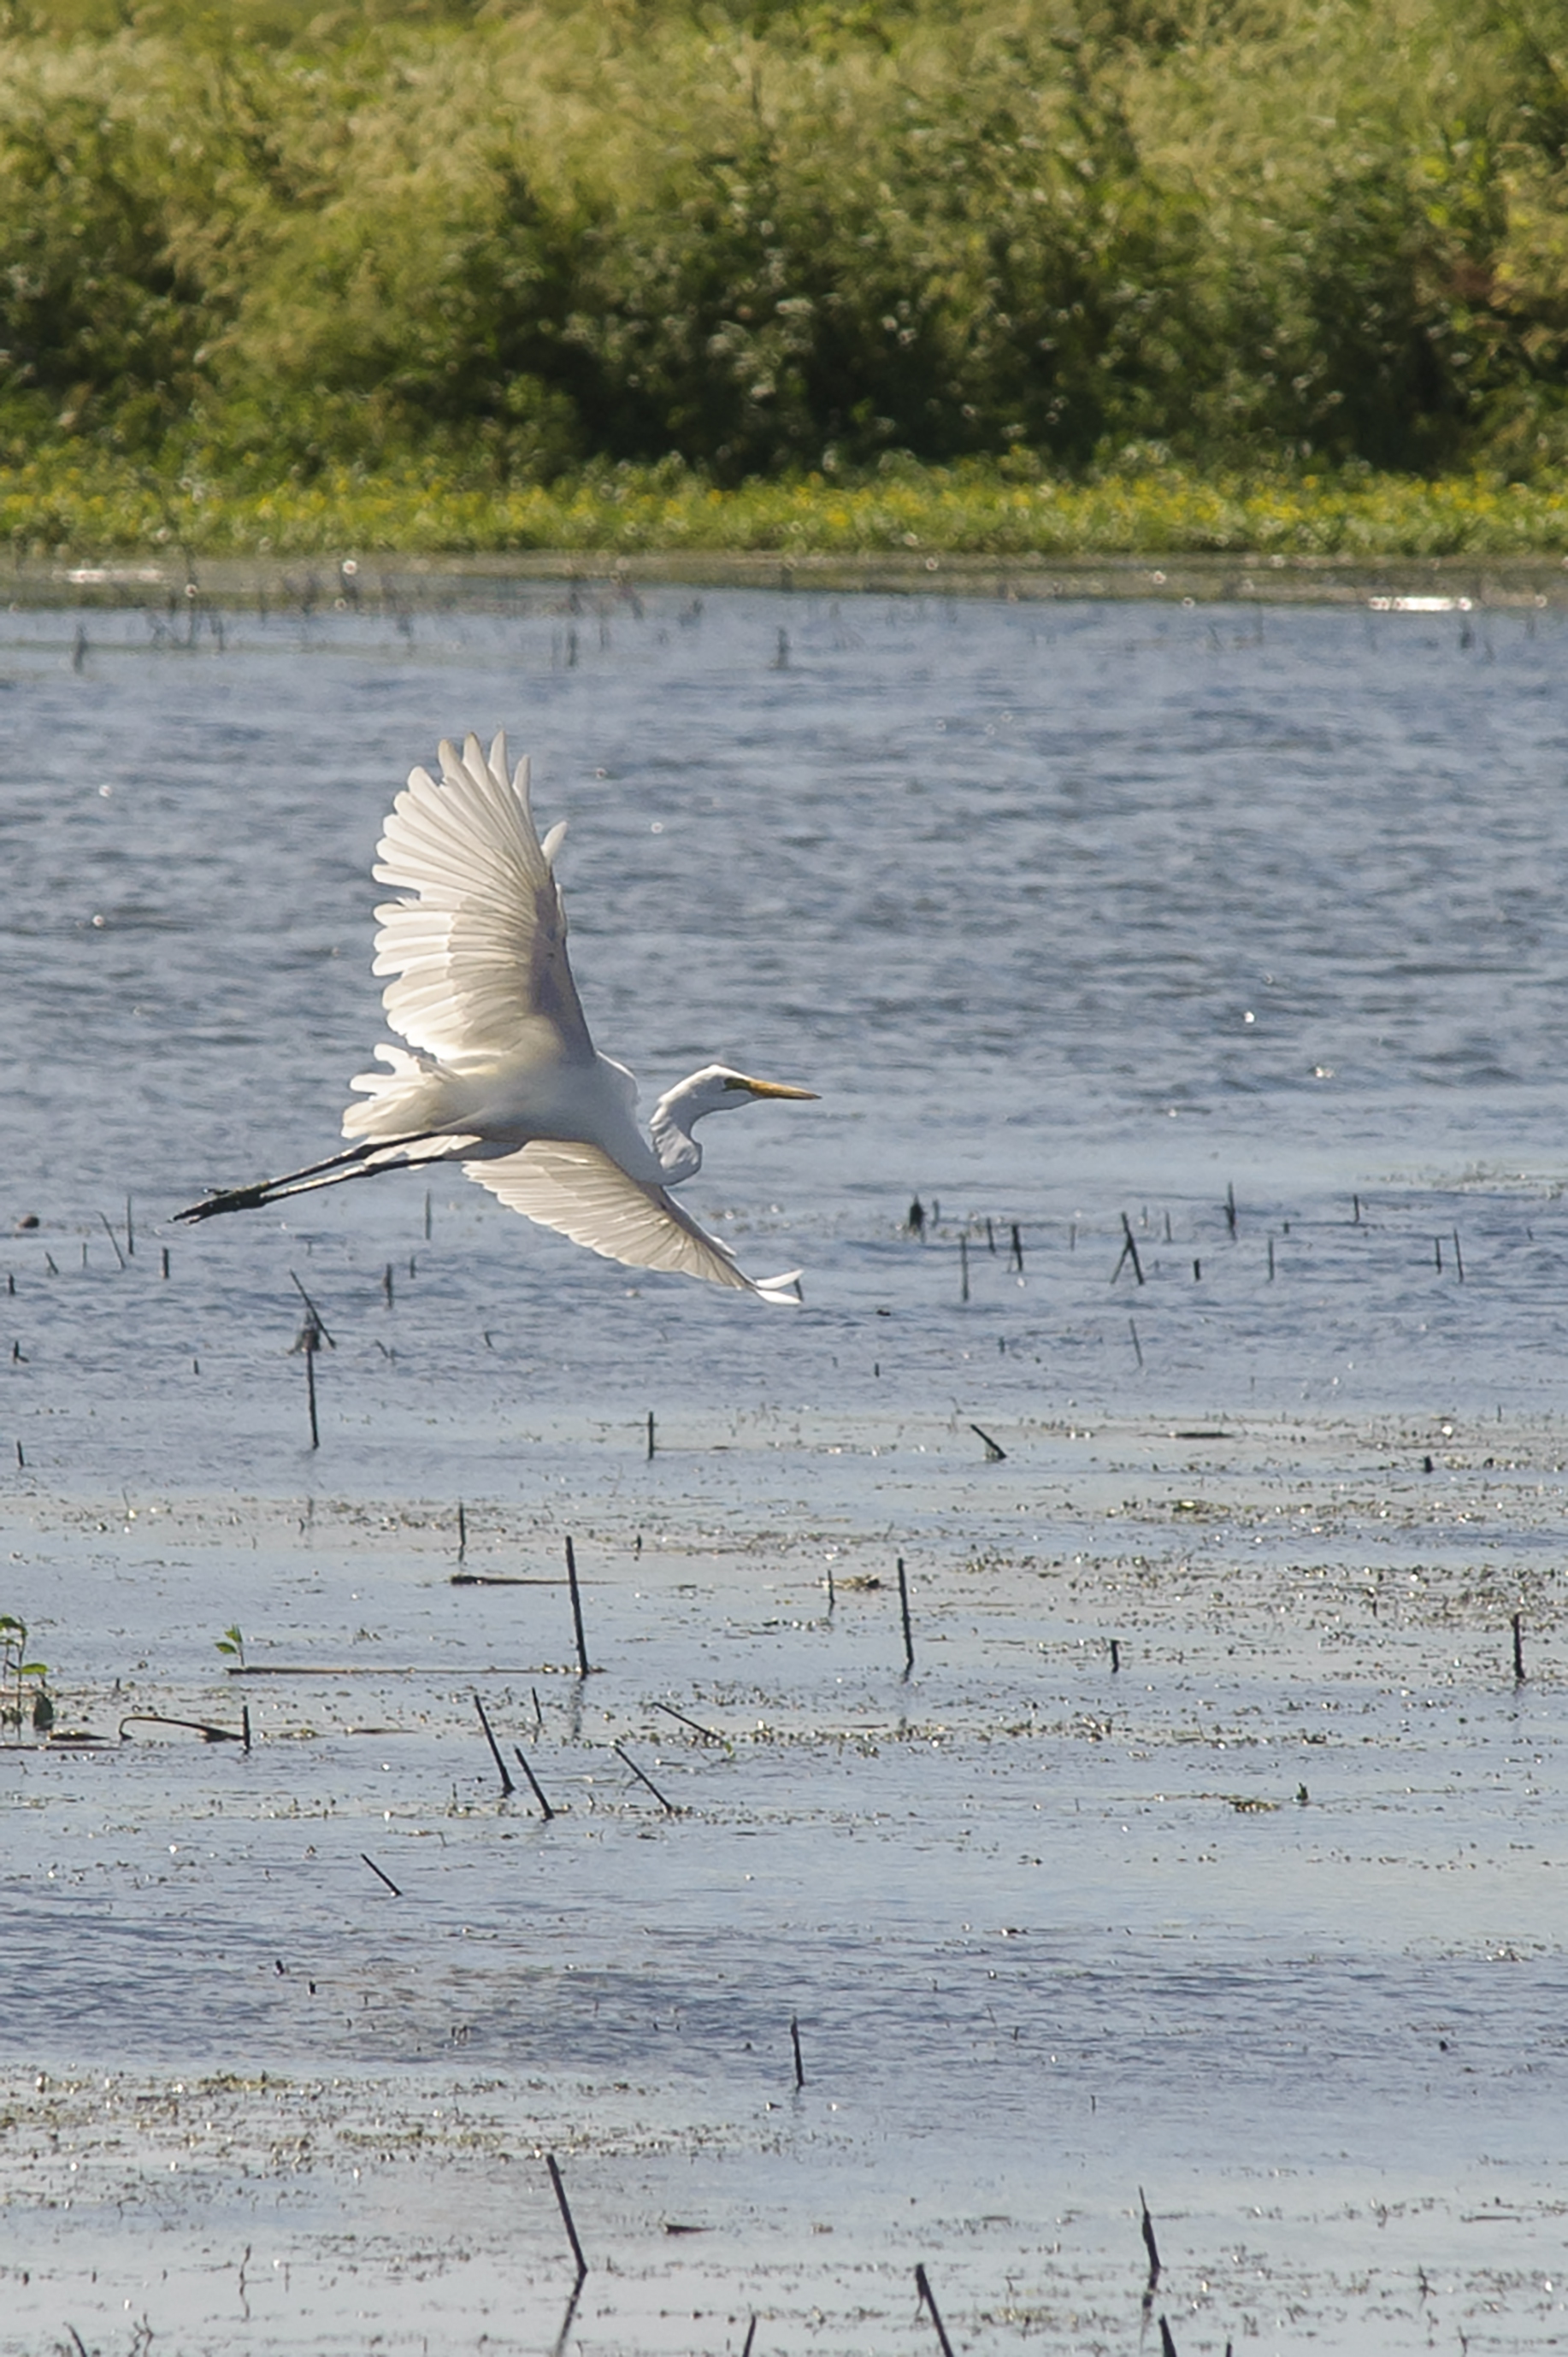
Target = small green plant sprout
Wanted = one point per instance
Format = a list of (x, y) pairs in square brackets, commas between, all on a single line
[(233, 1643), (14, 1671)]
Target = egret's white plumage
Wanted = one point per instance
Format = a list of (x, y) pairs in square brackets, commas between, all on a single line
[(499, 1072)]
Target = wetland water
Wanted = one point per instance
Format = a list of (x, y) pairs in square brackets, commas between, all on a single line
[(1071, 912)]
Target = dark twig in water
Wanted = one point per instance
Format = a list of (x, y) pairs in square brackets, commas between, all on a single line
[(534, 1783), (565, 2209), (706, 1732), (462, 1531), (904, 1608), (1168, 2346), (795, 2043), (1149, 2243), (1017, 1249), (994, 1452), (1518, 1669), (643, 1778), (922, 2286), (652, 1437), (963, 1268), (113, 1238), (1230, 1208), (1459, 1258), (376, 1871), (583, 1663), (1115, 1656), (130, 1232), (508, 1787), (750, 2336), (1132, 1329), (209, 1733)]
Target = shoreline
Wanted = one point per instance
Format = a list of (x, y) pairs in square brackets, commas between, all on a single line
[(393, 583)]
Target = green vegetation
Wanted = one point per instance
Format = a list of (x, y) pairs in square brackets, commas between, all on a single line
[(16, 1671), (1003, 274)]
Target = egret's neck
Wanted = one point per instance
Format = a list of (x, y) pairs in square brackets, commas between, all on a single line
[(680, 1156)]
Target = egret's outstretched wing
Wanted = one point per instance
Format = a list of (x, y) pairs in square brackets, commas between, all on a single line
[(480, 952), (580, 1191)]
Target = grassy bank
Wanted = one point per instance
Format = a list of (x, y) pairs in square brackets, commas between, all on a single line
[(65, 506), (486, 246)]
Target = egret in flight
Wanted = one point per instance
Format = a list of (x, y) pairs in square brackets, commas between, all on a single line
[(500, 1073)]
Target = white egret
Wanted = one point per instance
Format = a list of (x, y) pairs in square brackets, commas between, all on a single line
[(500, 1073)]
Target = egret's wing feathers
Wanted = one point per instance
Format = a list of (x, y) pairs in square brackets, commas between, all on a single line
[(479, 954), (580, 1191)]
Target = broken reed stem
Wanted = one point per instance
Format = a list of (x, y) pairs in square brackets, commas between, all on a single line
[(1129, 1252), (963, 1268), (164, 1259), (113, 1238), (652, 1438), (1017, 1249), (923, 2286), (534, 1783), (994, 1452), (566, 2209), (1132, 1329), (750, 2336), (245, 1725), (462, 1531), (1518, 1669), (376, 1871), (643, 1778), (1458, 1257), (130, 1232), (508, 1787), (1167, 2345), (795, 2042), (904, 1608), (1115, 1654), (583, 1666), (1230, 1208), (310, 1387)]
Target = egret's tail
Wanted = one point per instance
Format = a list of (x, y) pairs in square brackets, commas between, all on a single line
[(370, 1160), (784, 1292)]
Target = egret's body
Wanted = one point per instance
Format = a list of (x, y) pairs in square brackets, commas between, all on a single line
[(499, 1073)]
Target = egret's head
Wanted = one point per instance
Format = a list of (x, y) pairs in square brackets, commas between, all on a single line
[(716, 1089)]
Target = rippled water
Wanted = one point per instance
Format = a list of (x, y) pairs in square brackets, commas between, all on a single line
[(1067, 911), (1071, 912)]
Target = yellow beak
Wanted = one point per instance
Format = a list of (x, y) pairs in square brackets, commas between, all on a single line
[(772, 1089)]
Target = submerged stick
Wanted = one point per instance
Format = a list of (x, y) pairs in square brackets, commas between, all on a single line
[(1017, 1249), (923, 2286), (904, 1608), (1518, 1669), (1132, 1329), (1129, 1252), (565, 2209), (795, 2042), (1458, 1257), (1230, 1208), (533, 1780), (583, 1663), (1168, 2346), (113, 1238), (652, 1441), (750, 2336), (994, 1452), (508, 1787), (963, 1268), (643, 1778), (376, 1871)]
